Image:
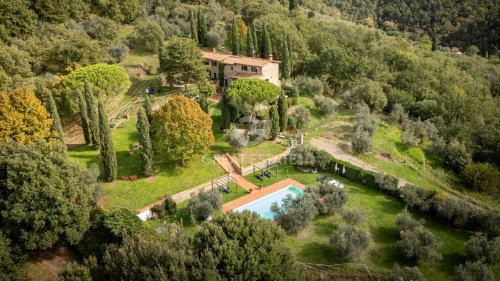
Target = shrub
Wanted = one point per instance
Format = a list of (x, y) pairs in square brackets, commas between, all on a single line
[(215, 38), (474, 271), (364, 120), (123, 222), (416, 197), (9, 261), (480, 248), (406, 222), (147, 36), (386, 182), (482, 177), (324, 104), (236, 138), (203, 205), (118, 52), (292, 122), (170, 206), (354, 216), (328, 199), (398, 114), (295, 213), (350, 242), (302, 115), (309, 86), (371, 93), (419, 244), (75, 272), (456, 156), (406, 273), (408, 139), (303, 156), (323, 159), (361, 142), (159, 211)]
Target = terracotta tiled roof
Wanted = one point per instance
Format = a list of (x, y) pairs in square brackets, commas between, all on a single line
[(230, 59)]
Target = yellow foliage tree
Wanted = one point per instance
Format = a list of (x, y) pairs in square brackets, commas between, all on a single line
[(242, 34), (23, 118), (182, 130)]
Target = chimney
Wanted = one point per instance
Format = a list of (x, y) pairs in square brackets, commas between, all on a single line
[(270, 57), (213, 50)]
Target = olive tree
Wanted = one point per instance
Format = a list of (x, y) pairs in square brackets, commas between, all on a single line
[(350, 242), (294, 213)]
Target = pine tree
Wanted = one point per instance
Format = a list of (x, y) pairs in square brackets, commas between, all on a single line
[(194, 30), (250, 48), (275, 122), (108, 154), (282, 111), (266, 48), (148, 109), (146, 148), (255, 39), (84, 119), (92, 115), (286, 66), (56, 122), (293, 4), (225, 112), (235, 44), (202, 28)]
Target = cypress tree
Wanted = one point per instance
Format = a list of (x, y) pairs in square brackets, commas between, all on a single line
[(92, 115), (148, 109), (250, 48), (84, 118), (235, 44), (202, 28), (108, 154), (286, 65), (221, 74), (293, 4), (266, 49), (56, 122), (275, 122), (194, 30), (146, 148), (225, 112), (282, 111), (255, 39)]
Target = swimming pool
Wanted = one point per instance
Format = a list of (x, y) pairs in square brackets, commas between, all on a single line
[(262, 206)]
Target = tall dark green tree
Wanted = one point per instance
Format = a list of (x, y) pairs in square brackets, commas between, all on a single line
[(84, 118), (235, 44), (146, 147), (56, 122), (202, 28), (282, 111), (256, 47), (92, 115), (250, 47), (225, 112), (293, 4), (266, 48), (275, 122), (203, 103), (108, 154), (221, 74), (286, 65), (148, 109), (194, 29)]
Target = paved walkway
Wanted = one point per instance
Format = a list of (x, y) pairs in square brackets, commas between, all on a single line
[(259, 193)]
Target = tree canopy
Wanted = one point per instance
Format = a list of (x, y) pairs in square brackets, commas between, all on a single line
[(45, 199), (182, 130), (247, 93)]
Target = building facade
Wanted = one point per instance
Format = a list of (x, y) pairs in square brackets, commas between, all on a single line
[(239, 67)]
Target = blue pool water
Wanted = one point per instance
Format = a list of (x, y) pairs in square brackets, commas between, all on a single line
[(262, 206)]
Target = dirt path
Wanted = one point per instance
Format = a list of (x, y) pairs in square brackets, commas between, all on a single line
[(332, 147)]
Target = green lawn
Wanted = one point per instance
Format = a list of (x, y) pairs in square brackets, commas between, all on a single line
[(169, 179), (312, 245)]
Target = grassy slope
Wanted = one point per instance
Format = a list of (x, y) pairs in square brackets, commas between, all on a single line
[(312, 244)]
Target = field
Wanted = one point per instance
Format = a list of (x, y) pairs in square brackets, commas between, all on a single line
[(312, 244)]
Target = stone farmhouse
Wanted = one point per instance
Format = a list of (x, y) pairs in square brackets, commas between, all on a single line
[(240, 66)]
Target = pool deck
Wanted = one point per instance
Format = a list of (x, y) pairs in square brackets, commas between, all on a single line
[(256, 194)]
